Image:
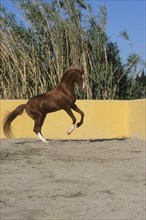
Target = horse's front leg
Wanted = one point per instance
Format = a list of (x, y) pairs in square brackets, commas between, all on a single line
[(75, 108), (69, 112)]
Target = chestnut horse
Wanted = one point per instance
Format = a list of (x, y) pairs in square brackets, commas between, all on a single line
[(61, 97)]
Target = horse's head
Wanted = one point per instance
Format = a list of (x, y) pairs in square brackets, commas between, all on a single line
[(74, 75)]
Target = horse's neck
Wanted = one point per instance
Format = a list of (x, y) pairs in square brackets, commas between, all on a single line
[(68, 86)]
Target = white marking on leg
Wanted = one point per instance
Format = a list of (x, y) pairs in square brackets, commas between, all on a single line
[(42, 138), (83, 86), (71, 129)]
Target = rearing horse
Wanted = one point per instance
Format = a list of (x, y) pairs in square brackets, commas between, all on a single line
[(61, 97)]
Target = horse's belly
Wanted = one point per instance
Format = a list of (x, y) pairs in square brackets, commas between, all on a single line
[(50, 106)]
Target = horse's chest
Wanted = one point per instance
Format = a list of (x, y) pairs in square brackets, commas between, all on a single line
[(71, 100)]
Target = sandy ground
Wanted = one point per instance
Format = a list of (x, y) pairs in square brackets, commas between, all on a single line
[(64, 180)]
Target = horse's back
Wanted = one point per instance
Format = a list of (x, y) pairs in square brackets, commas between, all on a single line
[(43, 103)]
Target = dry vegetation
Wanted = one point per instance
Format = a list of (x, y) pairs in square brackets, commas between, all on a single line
[(56, 35)]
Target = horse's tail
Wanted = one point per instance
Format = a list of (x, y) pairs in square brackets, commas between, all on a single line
[(10, 117)]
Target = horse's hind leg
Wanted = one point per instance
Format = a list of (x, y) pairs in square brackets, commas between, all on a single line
[(42, 120), (38, 118), (38, 122)]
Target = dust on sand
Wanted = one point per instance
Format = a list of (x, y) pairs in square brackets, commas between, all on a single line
[(73, 180)]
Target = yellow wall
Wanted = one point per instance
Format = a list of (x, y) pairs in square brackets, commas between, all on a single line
[(103, 120), (136, 115)]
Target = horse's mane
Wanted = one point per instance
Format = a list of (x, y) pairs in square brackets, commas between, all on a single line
[(71, 68)]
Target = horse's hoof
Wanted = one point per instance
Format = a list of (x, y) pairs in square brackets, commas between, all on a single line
[(42, 138), (78, 125), (70, 130), (45, 141)]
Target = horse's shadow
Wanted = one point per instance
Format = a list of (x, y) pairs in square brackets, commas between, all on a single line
[(28, 142), (50, 141)]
